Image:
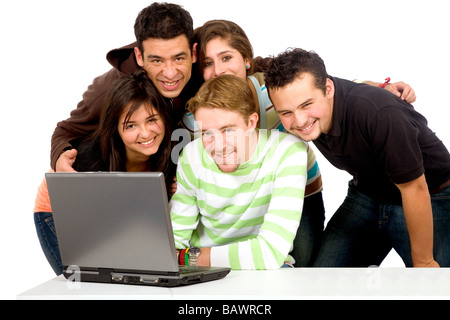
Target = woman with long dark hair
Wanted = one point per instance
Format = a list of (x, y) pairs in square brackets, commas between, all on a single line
[(134, 135)]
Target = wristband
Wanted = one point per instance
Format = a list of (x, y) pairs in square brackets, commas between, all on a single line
[(181, 257), (387, 80)]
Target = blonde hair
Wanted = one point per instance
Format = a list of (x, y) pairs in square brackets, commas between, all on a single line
[(225, 92)]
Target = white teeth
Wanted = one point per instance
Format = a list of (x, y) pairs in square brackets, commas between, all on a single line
[(308, 127), (170, 84), (148, 142), (224, 155)]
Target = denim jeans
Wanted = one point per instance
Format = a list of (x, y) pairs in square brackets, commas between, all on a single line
[(309, 233), (46, 232), (363, 231)]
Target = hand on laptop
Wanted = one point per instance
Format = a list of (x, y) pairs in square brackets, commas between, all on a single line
[(66, 161), (204, 259)]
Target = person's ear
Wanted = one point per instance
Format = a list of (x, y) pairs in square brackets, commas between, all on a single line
[(194, 53), (253, 121), (330, 89), (139, 57), (248, 63)]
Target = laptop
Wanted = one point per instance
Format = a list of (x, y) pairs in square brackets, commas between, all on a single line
[(115, 227)]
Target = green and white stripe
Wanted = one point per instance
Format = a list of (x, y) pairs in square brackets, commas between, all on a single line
[(249, 217)]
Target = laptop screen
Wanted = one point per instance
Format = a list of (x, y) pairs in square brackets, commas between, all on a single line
[(113, 220)]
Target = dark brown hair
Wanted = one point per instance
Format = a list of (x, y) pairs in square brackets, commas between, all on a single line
[(132, 91), (163, 21), (287, 66), (228, 31)]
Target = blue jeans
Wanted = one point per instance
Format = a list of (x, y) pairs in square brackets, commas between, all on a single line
[(309, 233), (46, 232), (363, 231)]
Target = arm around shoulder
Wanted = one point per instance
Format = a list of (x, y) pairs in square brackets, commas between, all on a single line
[(84, 119)]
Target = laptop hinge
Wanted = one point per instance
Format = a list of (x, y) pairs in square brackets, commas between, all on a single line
[(104, 274), (105, 271)]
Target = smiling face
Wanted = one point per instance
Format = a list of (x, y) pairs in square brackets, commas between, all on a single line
[(304, 109), (142, 134), (221, 58), (227, 137), (168, 63)]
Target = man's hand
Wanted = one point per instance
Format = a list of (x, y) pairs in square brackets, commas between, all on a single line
[(402, 90), (204, 259), (66, 161), (431, 264)]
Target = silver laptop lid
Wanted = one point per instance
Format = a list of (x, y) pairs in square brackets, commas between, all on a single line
[(113, 220)]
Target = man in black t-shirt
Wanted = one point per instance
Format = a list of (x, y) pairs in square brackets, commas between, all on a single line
[(400, 190)]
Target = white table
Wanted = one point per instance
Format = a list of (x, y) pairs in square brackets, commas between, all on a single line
[(283, 284)]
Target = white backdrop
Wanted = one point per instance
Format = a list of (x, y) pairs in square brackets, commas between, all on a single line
[(51, 51)]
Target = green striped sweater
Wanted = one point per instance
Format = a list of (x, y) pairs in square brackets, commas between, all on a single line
[(249, 217)]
